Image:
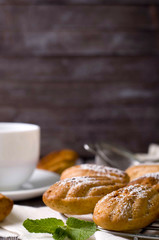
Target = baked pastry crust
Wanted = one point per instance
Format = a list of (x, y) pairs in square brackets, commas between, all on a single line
[(78, 195), (140, 170), (151, 179), (58, 161), (93, 170), (6, 205), (130, 208)]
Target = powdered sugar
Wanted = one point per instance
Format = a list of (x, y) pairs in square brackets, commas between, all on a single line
[(154, 175), (101, 169), (139, 191), (124, 199), (77, 180)]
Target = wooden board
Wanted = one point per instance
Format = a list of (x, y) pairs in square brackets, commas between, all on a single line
[(79, 43), (85, 71), (112, 70), (46, 18), (132, 127), (73, 109), (87, 2)]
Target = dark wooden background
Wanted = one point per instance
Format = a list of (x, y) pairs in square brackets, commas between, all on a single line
[(84, 70)]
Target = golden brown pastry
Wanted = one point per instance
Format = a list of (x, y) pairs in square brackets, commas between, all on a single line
[(6, 205), (58, 161), (150, 179), (130, 208), (94, 170), (78, 195), (140, 170)]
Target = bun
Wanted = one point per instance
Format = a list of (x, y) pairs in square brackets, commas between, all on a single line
[(93, 170), (58, 161), (140, 170), (6, 205), (150, 179), (78, 195), (130, 208)]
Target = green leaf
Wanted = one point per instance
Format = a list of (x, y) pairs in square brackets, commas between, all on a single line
[(79, 230), (60, 233), (47, 225), (74, 229)]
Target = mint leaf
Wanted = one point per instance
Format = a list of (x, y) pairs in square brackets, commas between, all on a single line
[(47, 225), (60, 234), (74, 229), (79, 229)]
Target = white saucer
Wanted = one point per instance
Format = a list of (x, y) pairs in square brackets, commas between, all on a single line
[(38, 183)]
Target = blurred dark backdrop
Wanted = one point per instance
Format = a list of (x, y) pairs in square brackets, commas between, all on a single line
[(84, 70)]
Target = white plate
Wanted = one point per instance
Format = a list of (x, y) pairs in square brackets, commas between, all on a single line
[(38, 183)]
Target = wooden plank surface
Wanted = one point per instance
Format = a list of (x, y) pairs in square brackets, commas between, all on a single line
[(83, 72), (50, 18), (73, 2), (75, 95), (77, 100), (78, 31), (71, 128), (79, 43), (77, 112), (79, 69)]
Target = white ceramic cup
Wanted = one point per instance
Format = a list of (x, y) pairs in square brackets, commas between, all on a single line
[(19, 153)]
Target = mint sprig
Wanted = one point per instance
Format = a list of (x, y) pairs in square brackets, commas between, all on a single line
[(79, 229), (75, 229), (46, 225), (59, 234)]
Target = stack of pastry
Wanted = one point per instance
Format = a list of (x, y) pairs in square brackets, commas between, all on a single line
[(116, 203)]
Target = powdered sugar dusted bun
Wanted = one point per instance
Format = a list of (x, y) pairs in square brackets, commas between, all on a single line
[(78, 195), (140, 170), (151, 179), (130, 208), (96, 170)]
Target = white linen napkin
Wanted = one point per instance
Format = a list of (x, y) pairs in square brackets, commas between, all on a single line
[(13, 224)]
